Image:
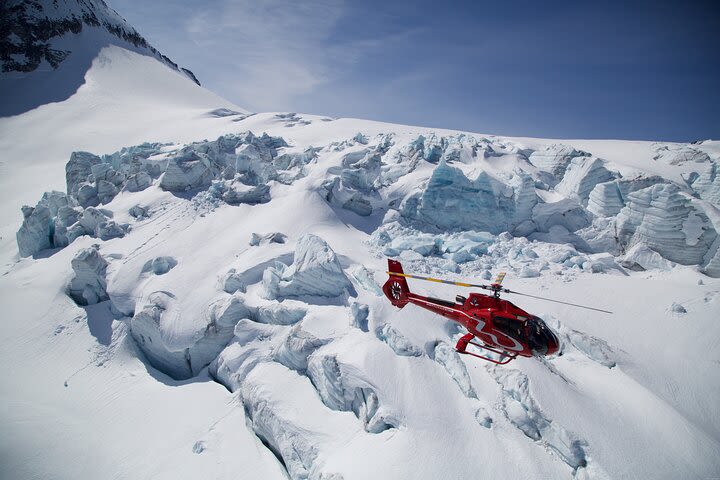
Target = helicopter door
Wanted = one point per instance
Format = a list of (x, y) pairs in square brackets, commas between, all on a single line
[(512, 328)]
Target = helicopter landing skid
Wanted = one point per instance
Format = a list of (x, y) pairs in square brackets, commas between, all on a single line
[(505, 357)]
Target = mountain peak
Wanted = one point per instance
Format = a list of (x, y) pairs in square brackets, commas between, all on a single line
[(51, 43)]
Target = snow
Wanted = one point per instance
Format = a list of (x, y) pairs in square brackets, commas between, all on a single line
[(251, 339)]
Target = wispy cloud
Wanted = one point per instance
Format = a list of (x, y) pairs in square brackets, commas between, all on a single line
[(273, 50)]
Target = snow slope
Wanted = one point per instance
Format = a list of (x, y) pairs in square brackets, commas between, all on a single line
[(235, 344)]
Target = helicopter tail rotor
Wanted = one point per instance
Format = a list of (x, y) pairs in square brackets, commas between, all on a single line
[(396, 288)]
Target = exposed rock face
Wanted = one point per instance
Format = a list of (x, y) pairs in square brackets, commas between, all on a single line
[(89, 285), (666, 221), (31, 29), (315, 271)]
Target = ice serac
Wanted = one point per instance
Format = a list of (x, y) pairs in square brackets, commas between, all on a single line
[(78, 168), (252, 344), (446, 356), (605, 200), (38, 230), (451, 201), (235, 168), (299, 344), (153, 329), (343, 387), (138, 182), (712, 264), (35, 233), (640, 257), (185, 171), (678, 154), (278, 427), (523, 411), (276, 313), (608, 198), (88, 286), (359, 316), (555, 158), (315, 271), (566, 213), (581, 176), (397, 341), (707, 184), (666, 221)]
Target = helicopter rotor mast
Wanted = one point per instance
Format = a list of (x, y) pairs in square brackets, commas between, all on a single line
[(495, 288)]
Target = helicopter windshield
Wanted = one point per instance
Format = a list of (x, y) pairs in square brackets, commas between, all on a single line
[(539, 336)]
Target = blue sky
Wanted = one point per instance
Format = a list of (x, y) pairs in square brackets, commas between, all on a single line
[(627, 70)]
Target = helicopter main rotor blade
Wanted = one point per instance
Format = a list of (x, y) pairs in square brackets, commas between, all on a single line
[(488, 287), (556, 301), (439, 280)]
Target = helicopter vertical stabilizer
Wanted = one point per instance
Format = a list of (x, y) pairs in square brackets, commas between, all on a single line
[(396, 288)]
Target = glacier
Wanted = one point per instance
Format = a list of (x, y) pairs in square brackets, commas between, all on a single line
[(228, 273)]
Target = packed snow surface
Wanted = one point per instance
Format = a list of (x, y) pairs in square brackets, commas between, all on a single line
[(192, 292)]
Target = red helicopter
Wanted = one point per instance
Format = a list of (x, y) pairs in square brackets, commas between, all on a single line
[(499, 326)]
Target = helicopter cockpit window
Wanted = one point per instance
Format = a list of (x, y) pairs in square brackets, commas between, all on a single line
[(510, 326)]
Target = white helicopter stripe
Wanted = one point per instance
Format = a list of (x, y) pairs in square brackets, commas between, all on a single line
[(516, 347)]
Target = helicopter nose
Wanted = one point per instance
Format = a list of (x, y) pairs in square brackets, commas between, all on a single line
[(553, 344)]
